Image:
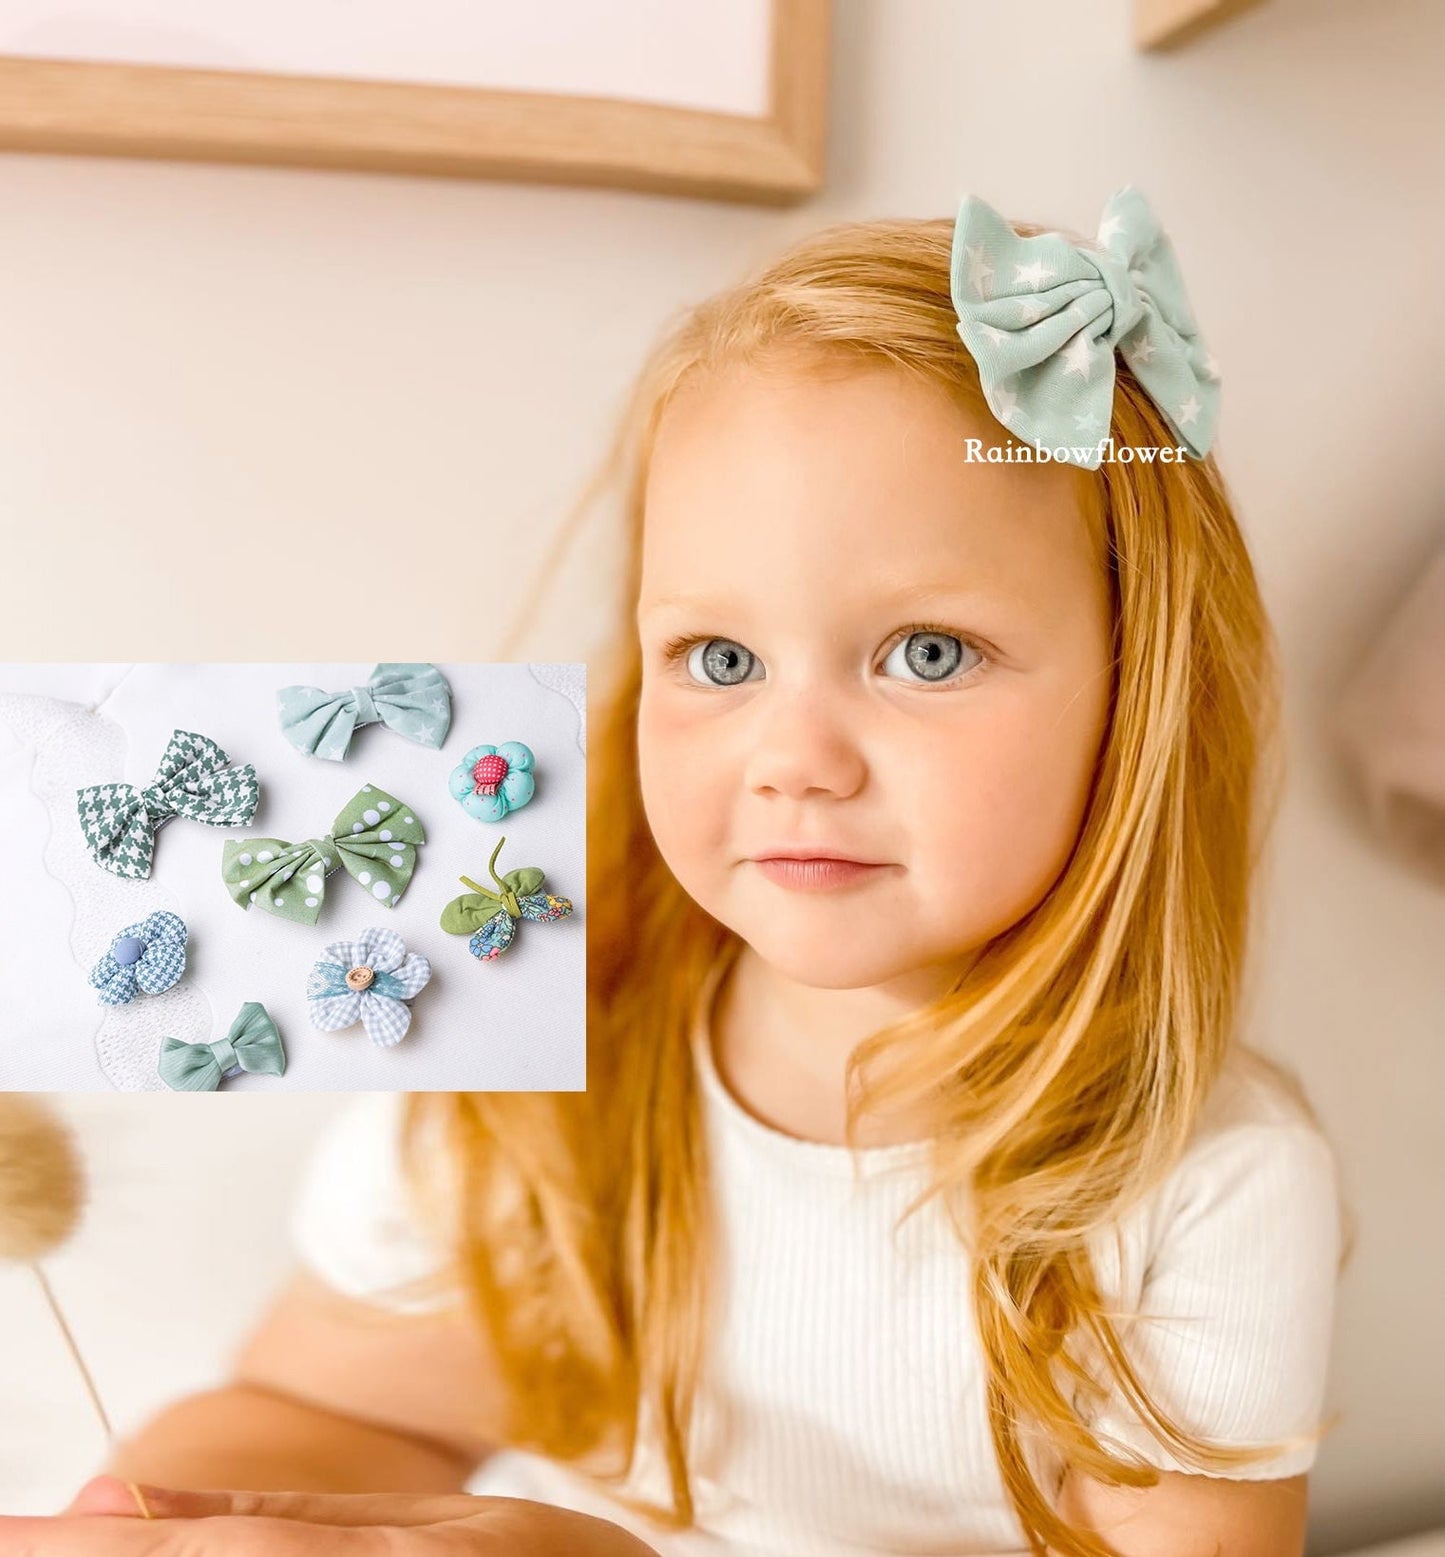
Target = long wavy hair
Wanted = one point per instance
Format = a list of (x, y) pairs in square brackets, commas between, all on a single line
[(1062, 1075)]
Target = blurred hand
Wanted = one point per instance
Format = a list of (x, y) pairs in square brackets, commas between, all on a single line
[(104, 1521)]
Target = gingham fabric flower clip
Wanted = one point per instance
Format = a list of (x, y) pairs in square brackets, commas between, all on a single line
[(491, 918), (374, 837), (1042, 318), (368, 980), (146, 958), (413, 700), (490, 781), (195, 779), (252, 1045)]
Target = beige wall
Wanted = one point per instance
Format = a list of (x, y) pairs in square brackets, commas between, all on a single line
[(220, 385)]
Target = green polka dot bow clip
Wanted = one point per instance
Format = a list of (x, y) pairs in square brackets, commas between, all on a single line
[(1042, 317), (253, 1045), (491, 918), (374, 837), (413, 700), (195, 780)]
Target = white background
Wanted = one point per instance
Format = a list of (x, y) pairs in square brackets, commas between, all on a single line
[(292, 358), (518, 1022)]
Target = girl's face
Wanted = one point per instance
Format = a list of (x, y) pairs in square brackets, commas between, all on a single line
[(857, 644)]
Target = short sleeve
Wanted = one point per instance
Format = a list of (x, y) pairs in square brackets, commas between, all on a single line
[(353, 1224), (1237, 1300)]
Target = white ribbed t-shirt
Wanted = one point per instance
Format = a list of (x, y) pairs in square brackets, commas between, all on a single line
[(843, 1409)]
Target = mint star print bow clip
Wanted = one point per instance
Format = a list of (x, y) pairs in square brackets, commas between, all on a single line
[(413, 700), (195, 780), (253, 1045), (491, 918), (374, 837), (1042, 317)]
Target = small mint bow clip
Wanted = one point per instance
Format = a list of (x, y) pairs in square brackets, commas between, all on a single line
[(413, 700), (195, 779), (253, 1045), (1042, 318)]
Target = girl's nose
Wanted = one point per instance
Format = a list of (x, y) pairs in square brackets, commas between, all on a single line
[(803, 744)]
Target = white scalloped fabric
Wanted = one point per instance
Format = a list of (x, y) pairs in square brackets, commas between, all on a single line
[(570, 681)]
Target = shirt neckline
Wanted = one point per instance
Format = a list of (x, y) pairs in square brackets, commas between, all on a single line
[(824, 1158)]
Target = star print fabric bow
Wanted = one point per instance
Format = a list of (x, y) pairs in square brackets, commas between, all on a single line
[(413, 700), (253, 1045), (374, 837), (194, 780), (1042, 318)]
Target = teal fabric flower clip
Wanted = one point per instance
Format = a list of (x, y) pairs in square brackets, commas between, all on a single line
[(491, 918), (195, 780), (367, 980), (1042, 317), (252, 1045), (413, 700), (490, 781), (375, 837), (146, 958)]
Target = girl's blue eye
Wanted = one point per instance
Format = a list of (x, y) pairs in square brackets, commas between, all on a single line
[(720, 662), (928, 656)]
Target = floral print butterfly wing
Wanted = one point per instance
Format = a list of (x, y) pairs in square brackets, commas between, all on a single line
[(544, 908), (494, 937)]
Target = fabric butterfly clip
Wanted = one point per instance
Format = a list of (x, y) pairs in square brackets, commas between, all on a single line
[(1043, 316), (413, 700), (195, 779), (368, 980), (374, 837), (490, 918), (252, 1045), (147, 958)]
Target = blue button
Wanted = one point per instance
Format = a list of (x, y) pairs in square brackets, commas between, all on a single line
[(127, 950)]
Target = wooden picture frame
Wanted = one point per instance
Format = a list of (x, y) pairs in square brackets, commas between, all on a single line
[(1166, 24), (124, 110)]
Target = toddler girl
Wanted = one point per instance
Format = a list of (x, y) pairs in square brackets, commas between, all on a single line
[(925, 1197)]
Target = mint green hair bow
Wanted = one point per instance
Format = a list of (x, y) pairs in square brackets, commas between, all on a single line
[(413, 700), (1042, 318), (374, 837), (253, 1044), (195, 779)]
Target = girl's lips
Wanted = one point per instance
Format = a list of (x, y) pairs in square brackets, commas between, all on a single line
[(817, 875)]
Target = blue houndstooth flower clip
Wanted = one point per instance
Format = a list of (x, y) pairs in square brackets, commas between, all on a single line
[(367, 980), (146, 958)]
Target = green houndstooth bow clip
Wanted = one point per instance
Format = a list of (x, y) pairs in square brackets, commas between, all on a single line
[(374, 837), (195, 780)]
